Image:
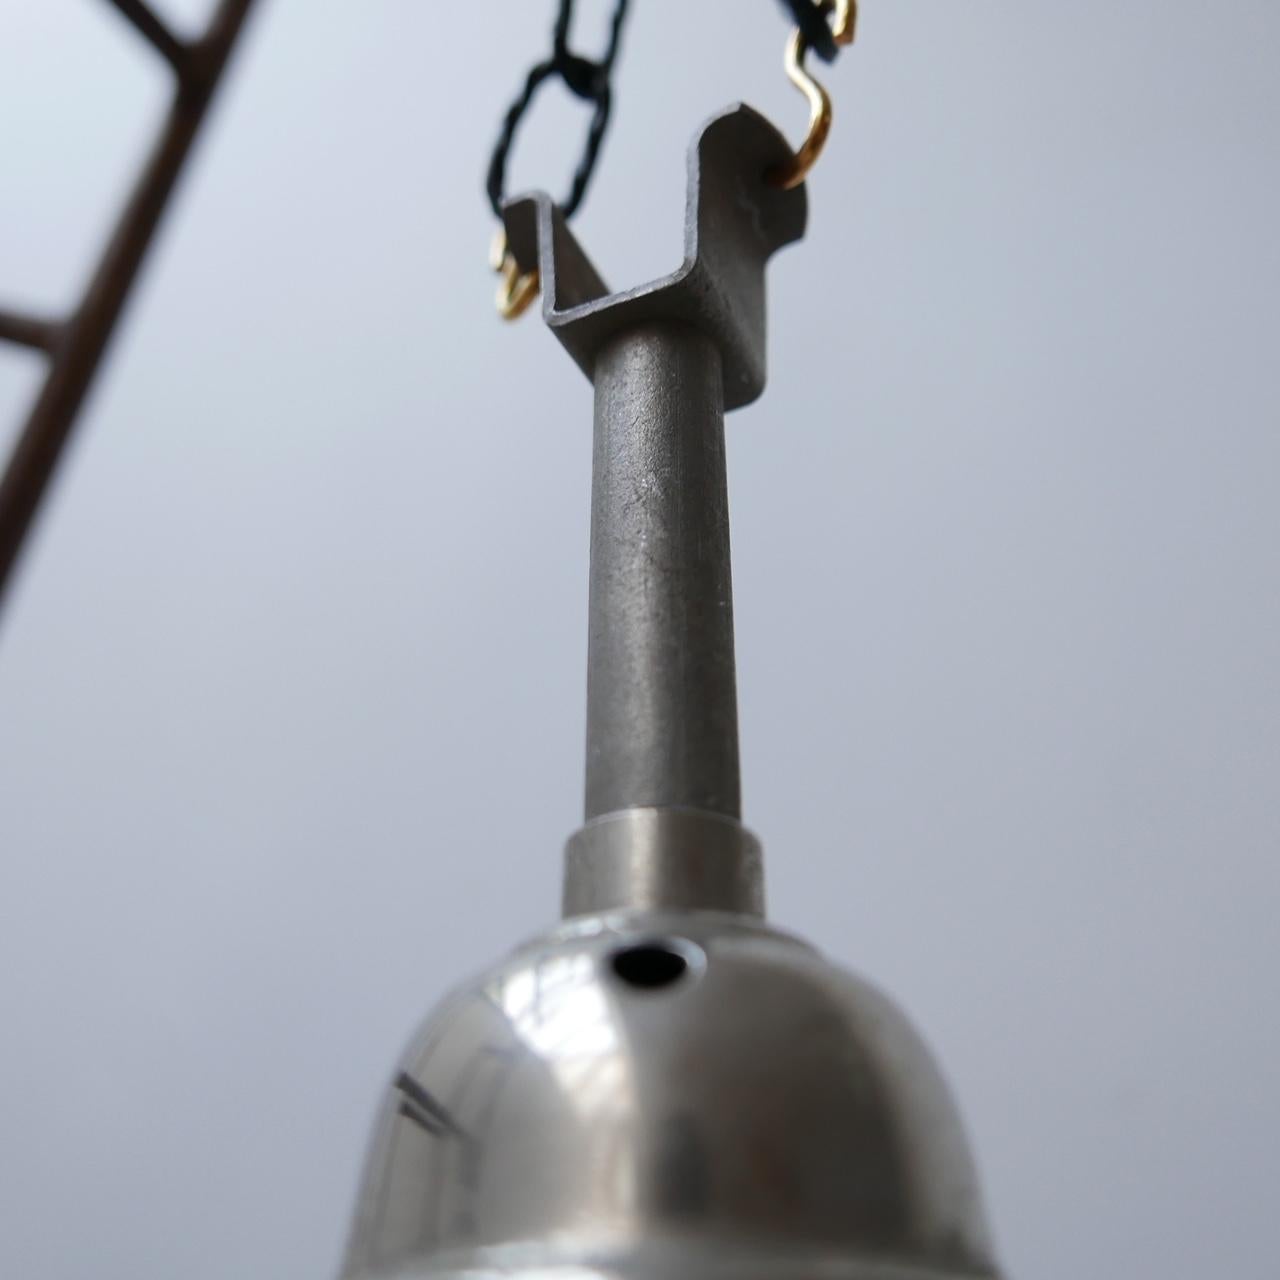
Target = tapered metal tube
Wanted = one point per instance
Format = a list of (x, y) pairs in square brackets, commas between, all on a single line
[(662, 718)]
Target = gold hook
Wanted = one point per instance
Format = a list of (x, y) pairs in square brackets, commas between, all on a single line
[(845, 26), (517, 291), (794, 171)]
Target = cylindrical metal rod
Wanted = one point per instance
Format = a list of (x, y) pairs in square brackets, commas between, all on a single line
[(29, 331), (662, 717), (83, 339), (153, 29)]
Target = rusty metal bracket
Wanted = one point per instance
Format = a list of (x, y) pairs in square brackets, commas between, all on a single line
[(75, 345)]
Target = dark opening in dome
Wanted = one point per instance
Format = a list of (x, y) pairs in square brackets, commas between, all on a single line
[(650, 965)]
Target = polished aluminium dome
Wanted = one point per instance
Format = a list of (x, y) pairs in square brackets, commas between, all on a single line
[(668, 1094)]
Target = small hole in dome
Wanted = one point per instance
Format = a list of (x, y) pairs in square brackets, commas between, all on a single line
[(650, 965)]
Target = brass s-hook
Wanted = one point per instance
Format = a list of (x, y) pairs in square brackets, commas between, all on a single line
[(517, 291), (794, 171)]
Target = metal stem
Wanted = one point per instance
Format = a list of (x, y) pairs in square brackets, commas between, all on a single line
[(662, 720), (667, 359)]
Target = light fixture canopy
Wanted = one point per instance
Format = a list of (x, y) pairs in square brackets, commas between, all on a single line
[(664, 1085)]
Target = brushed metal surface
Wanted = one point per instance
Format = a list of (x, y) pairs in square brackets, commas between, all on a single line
[(654, 859), (662, 714)]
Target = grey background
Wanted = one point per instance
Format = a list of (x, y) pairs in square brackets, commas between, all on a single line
[(291, 684)]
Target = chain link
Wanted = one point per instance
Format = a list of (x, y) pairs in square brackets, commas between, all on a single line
[(585, 78)]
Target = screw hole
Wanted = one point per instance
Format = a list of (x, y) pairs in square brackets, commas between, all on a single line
[(650, 965)]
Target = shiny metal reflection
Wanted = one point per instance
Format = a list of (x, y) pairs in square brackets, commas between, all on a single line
[(758, 1113)]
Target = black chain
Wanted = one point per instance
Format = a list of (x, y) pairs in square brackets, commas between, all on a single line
[(582, 77), (589, 81), (811, 17)]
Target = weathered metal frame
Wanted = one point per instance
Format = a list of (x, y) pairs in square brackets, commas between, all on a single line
[(75, 344)]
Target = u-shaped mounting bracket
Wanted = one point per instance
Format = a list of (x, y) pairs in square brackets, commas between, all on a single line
[(734, 222)]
